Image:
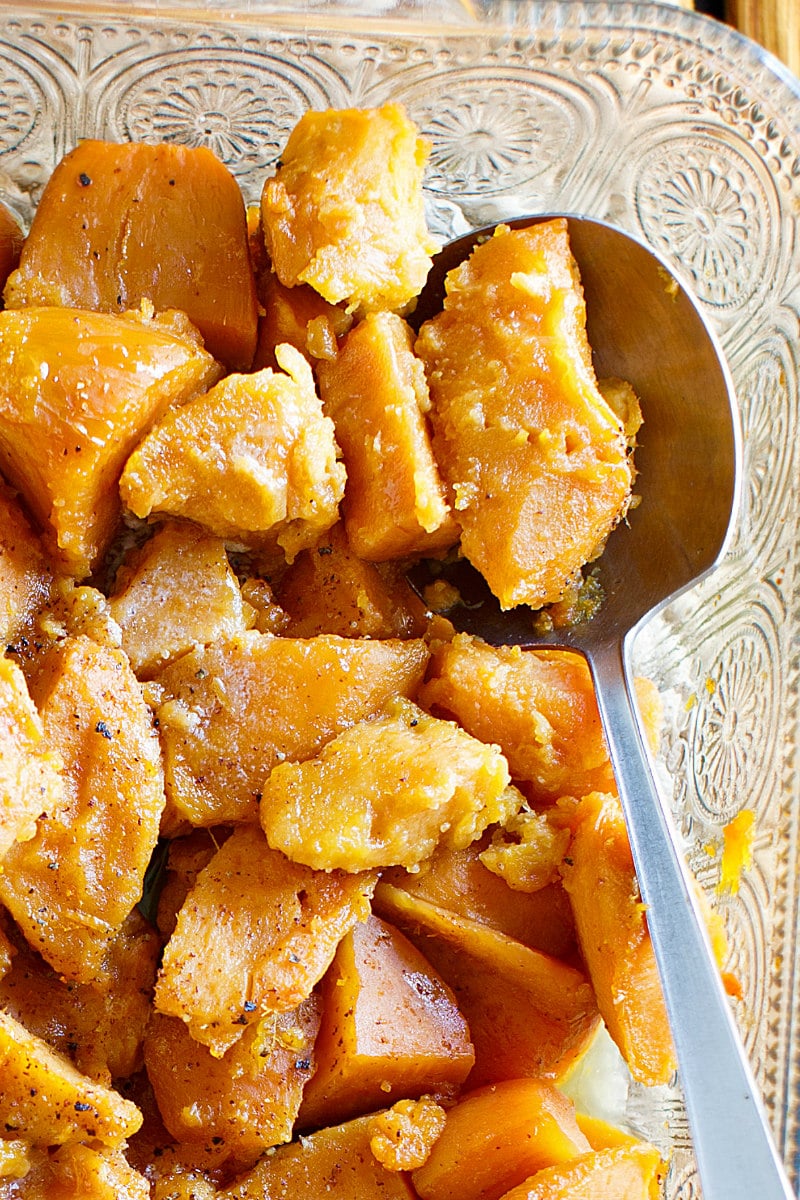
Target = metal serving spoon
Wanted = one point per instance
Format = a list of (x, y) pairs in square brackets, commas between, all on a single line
[(645, 328)]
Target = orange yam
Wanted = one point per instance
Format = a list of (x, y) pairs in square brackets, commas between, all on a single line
[(30, 781), (253, 937), (496, 1137), (402, 1136), (622, 1173), (81, 1172), (11, 241), (248, 1099), (339, 1157), (118, 224), (385, 792), (528, 1013), (612, 930), (299, 316), (186, 857), (538, 705), (71, 886), (98, 1026), (77, 391), (25, 575), (536, 460), (390, 1028), (235, 708), (344, 212), (253, 460), (458, 881), (375, 391), (329, 589), (44, 1096), (174, 592)]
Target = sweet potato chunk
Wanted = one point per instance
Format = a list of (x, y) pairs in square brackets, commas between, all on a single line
[(538, 705), (30, 781), (612, 930), (99, 1026), (246, 1100), (118, 224), (47, 1098), (253, 460), (186, 857), (622, 1173), (329, 589), (458, 881), (376, 393), (297, 315), (176, 591), (25, 576), (254, 936), (235, 708), (497, 1136), (71, 886), (385, 792), (402, 1136), (345, 210), (536, 459), (77, 391), (528, 1013), (11, 240), (390, 1029), (337, 1158), (81, 1172)]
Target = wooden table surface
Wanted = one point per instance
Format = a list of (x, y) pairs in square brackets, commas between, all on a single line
[(773, 23)]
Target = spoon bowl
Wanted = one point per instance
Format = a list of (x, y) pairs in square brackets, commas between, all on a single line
[(645, 327)]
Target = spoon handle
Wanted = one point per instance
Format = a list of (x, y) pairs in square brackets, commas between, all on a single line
[(736, 1156)]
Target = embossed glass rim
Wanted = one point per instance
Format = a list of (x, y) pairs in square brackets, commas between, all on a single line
[(739, 89)]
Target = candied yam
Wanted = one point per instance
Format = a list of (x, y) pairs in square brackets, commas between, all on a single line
[(98, 1026), (25, 576), (53, 1103), (253, 460), (345, 212), (459, 881), (253, 937), (299, 316), (401, 1137), (612, 930), (497, 1136), (15, 1159), (528, 1013), (235, 708), (11, 242), (390, 1029), (538, 705), (30, 781), (622, 1173), (385, 792), (337, 1158), (527, 850), (71, 886), (186, 858), (246, 1100), (376, 393), (81, 1172), (174, 592), (267, 614), (77, 391), (329, 589), (166, 1163), (7, 952), (118, 224), (536, 459)]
